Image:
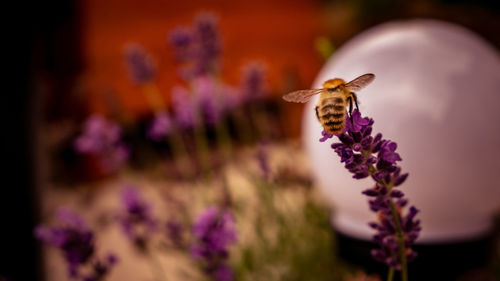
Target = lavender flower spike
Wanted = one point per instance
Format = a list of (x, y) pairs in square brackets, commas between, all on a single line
[(136, 219), (207, 34), (140, 65), (208, 98), (214, 232), (102, 137), (160, 126), (77, 243), (366, 155), (185, 110), (181, 40), (253, 82)]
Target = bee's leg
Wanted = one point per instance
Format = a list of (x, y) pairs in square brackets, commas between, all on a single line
[(355, 100), (349, 99), (317, 112)]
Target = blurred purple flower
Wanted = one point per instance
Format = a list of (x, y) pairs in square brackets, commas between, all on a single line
[(214, 232), (102, 138), (223, 273), (181, 40), (208, 98), (253, 82), (184, 108), (136, 219), (175, 233), (357, 149), (98, 134), (140, 65), (160, 126), (76, 241), (263, 159), (208, 41), (199, 47)]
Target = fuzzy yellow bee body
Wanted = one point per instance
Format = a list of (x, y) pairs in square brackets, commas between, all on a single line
[(335, 96)]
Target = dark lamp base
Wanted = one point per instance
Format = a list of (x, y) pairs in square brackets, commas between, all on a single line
[(443, 262)]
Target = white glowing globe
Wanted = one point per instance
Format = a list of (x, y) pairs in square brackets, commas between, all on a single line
[(437, 94)]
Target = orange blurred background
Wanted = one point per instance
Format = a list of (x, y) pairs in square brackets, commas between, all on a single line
[(279, 33)]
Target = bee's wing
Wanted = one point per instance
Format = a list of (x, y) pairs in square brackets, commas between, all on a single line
[(301, 96), (360, 82)]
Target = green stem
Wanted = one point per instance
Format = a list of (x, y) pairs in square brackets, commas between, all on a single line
[(180, 153), (203, 151), (243, 126), (224, 140), (401, 242), (390, 275)]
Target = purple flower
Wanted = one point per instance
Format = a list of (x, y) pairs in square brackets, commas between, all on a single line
[(140, 65), (214, 232), (184, 108), (253, 82), (198, 47), (160, 126), (206, 31), (98, 134), (263, 160), (208, 98), (181, 40), (223, 273), (136, 219), (357, 149), (102, 138), (174, 233), (388, 153), (76, 241), (357, 122)]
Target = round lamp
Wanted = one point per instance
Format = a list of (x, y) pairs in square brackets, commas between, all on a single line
[(437, 94)]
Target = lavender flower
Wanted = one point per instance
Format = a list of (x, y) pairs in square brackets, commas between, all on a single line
[(174, 233), (253, 83), (181, 40), (198, 47), (263, 159), (160, 126), (140, 65), (76, 241), (357, 149), (214, 231), (208, 37), (184, 108), (102, 138), (208, 99), (136, 219)]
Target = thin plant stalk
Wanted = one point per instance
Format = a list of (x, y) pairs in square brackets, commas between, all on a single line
[(202, 149), (224, 141), (178, 147), (390, 275), (243, 126), (179, 150)]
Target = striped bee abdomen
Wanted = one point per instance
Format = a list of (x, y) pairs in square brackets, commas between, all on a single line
[(332, 114)]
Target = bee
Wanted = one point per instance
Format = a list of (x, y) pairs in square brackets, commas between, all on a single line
[(336, 94)]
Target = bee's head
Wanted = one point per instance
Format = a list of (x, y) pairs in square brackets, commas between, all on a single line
[(332, 83)]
